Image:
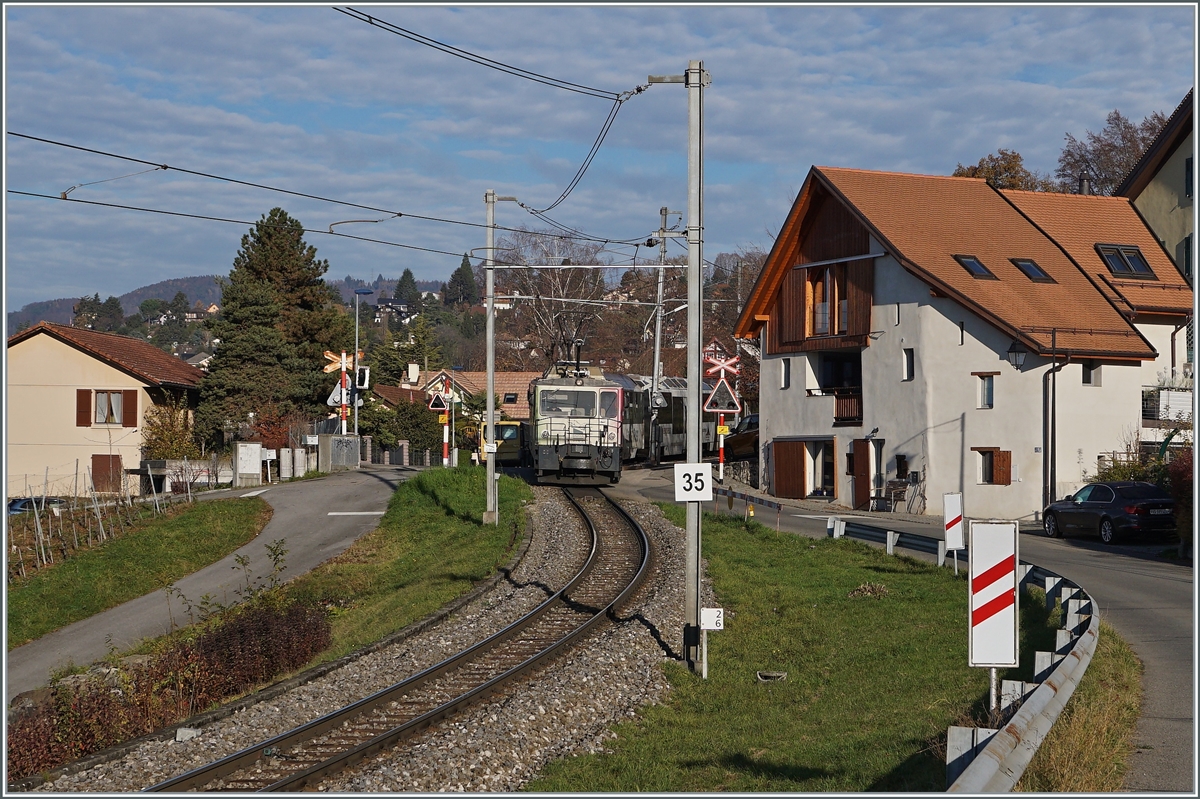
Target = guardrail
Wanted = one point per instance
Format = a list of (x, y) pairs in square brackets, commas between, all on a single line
[(980, 760)]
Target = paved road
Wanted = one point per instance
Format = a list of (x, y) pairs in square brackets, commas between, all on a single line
[(318, 518), (1147, 599)]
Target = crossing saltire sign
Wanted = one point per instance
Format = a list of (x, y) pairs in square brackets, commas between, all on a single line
[(992, 586)]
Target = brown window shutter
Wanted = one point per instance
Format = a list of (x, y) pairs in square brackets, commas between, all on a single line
[(791, 307), (1002, 468), (860, 280), (83, 407), (129, 409)]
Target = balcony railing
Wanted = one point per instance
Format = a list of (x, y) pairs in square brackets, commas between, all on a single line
[(847, 403), (1165, 407)]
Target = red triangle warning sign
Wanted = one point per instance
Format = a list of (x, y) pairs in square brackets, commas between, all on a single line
[(438, 403), (722, 399)]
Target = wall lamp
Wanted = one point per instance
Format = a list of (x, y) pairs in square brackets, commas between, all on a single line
[(1016, 354)]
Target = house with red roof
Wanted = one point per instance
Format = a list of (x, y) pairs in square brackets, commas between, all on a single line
[(924, 335), (77, 402)]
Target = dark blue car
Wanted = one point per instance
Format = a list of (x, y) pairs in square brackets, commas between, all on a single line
[(1111, 510)]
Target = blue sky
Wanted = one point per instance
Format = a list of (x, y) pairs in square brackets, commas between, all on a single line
[(311, 100)]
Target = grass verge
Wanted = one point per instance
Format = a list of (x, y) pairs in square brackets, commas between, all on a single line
[(875, 650), (159, 552), (1089, 748), (430, 547)]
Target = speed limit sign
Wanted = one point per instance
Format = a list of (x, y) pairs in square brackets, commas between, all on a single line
[(693, 482)]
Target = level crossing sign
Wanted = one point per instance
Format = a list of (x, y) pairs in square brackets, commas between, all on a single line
[(722, 399), (338, 361), (952, 514), (992, 587), (722, 365), (437, 402)]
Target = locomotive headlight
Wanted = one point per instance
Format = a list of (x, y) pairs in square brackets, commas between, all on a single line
[(545, 435)]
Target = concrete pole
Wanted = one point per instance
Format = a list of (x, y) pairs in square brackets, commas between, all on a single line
[(694, 81), (356, 297), (491, 514)]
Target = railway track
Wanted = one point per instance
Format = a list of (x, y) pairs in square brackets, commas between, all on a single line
[(616, 565)]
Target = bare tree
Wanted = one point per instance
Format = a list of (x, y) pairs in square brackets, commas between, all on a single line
[(1108, 156)]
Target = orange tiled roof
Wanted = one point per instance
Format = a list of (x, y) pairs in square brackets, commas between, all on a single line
[(506, 383), (1080, 222), (925, 220), (132, 355), (394, 395)]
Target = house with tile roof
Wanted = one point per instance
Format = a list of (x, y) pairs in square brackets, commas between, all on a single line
[(77, 402), (512, 388), (923, 335)]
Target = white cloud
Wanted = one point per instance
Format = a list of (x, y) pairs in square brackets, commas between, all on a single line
[(309, 99)]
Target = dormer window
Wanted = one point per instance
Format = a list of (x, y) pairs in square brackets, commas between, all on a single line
[(975, 267), (1125, 261), (1032, 270)]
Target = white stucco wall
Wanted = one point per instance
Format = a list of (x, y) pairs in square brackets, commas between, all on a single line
[(43, 441), (1165, 205), (934, 419)]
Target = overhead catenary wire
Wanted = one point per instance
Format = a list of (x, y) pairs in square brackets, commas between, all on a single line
[(618, 98), (392, 212)]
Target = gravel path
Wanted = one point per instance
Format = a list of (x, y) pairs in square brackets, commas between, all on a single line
[(499, 745)]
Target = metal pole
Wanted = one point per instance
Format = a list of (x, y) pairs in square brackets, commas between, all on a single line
[(446, 425), (992, 691), (491, 514), (662, 260), (1053, 415), (694, 80), (356, 298)]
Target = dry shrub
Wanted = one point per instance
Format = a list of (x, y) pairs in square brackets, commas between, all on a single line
[(248, 646), (1089, 747)]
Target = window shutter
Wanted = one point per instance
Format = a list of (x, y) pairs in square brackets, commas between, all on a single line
[(129, 408), (791, 307), (860, 280), (1002, 468), (83, 407)]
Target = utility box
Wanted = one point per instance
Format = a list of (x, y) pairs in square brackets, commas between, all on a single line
[(247, 463), (337, 453)]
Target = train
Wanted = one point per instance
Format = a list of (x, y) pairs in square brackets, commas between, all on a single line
[(586, 424)]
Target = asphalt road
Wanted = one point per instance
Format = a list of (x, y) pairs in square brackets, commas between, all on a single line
[(317, 519), (1149, 600)]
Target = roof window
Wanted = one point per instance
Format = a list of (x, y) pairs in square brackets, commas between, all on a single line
[(1032, 270), (1125, 261), (975, 267)]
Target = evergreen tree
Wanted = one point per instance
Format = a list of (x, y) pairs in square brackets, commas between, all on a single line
[(462, 288), (255, 370), (388, 366), (421, 347), (310, 313), (407, 291)]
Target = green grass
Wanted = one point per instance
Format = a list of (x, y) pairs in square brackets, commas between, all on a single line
[(872, 683), (159, 552), (430, 547)]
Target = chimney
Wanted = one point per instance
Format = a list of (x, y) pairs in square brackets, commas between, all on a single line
[(1085, 183)]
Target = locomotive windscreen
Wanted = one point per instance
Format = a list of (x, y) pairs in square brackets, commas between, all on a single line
[(568, 403)]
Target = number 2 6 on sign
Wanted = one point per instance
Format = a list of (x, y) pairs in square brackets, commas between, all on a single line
[(693, 482)]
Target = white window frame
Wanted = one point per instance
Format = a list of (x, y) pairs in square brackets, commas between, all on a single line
[(987, 392), (908, 364), (111, 414), (785, 374)]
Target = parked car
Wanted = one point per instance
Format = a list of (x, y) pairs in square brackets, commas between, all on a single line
[(742, 442), (1111, 510), (26, 504)]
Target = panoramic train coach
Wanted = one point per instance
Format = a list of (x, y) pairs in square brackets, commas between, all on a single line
[(575, 426)]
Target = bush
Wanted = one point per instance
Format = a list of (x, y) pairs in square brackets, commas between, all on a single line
[(248, 646), (1180, 471)]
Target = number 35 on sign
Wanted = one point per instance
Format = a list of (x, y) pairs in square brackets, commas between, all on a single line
[(693, 482)]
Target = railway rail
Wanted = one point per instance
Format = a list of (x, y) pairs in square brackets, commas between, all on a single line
[(615, 567)]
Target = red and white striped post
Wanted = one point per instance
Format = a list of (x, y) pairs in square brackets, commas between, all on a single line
[(952, 515), (721, 451), (446, 425), (344, 392), (992, 586)]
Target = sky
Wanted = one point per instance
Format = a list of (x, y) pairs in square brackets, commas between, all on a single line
[(314, 101)]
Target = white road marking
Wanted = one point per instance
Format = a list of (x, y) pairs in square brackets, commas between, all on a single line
[(356, 512), (826, 516), (256, 493)]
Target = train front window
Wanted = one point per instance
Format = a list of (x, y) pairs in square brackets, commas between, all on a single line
[(608, 404), (568, 403)]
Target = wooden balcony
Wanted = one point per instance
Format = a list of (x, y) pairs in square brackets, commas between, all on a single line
[(847, 404)]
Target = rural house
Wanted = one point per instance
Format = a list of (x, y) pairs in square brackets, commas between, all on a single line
[(924, 335), (77, 402)]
